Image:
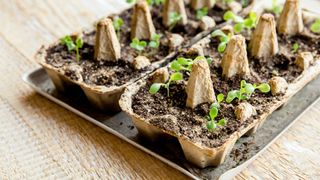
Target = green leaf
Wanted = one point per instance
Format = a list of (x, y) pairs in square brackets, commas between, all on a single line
[(222, 122), (131, 1), (209, 60), (229, 15), (213, 112), (249, 89), (220, 98), (232, 95), (79, 43), (153, 44), (175, 66), (184, 61), (117, 23), (315, 27), (295, 47), (265, 88), (211, 125), (155, 88), (201, 13), (174, 18), (238, 27), (176, 76), (222, 46), (218, 33)]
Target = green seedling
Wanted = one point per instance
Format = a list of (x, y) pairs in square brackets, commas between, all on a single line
[(295, 47), (185, 64), (276, 9), (155, 2), (201, 13), (173, 77), (117, 24), (315, 27), (240, 23), (224, 39), (174, 18), (138, 45), (246, 90), (155, 41), (214, 111), (225, 2), (244, 3), (131, 1), (73, 46)]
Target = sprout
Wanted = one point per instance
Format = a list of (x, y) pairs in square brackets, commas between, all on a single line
[(224, 39), (246, 90), (213, 113), (201, 13), (295, 47), (155, 41), (276, 9), (155, 2), (174, 18), (173, 77), (117, 24), (73, 46), (240, 23), (315, 27), (138, 45), (225, 2)]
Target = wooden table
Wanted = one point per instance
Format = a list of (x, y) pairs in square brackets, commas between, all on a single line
[(39, 139)]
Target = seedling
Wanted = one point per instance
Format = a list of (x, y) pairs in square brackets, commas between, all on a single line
[(131, 1), (155, 41), (244, 3), (201, 13), (173, 77), (155, 2), (138, 45), (73, 46), (246, 90), (276, 9), (315, 27), (117, 24), (186, 64), (224, 39), (174, 18), (295, 47), (240, 23), (214, 111), (225, 2)]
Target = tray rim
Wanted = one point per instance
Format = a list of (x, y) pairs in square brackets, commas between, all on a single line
[(226, 175)]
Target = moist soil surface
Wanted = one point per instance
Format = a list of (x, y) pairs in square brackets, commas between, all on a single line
[(192, 123)]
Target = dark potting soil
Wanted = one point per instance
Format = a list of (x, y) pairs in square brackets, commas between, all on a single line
[(192, 123)]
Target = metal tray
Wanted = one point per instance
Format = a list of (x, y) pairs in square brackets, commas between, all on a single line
[(244, 152)]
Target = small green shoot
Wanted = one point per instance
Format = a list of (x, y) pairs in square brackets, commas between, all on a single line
[(201, 13), (224, 39), (315, 27), (155, 41), (276, 9), (244, 3), (73, 46), (240, 23), (225, 2), (246, 90), (131, 1), (173, 77), (155, 2), (174, 19), (214, 111), (295, 47), (138, 45), (117, 24)]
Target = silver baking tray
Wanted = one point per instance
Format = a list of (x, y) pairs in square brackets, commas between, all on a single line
[(244, 152)]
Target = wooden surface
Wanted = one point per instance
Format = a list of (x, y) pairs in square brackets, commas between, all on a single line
[(39, 139)]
